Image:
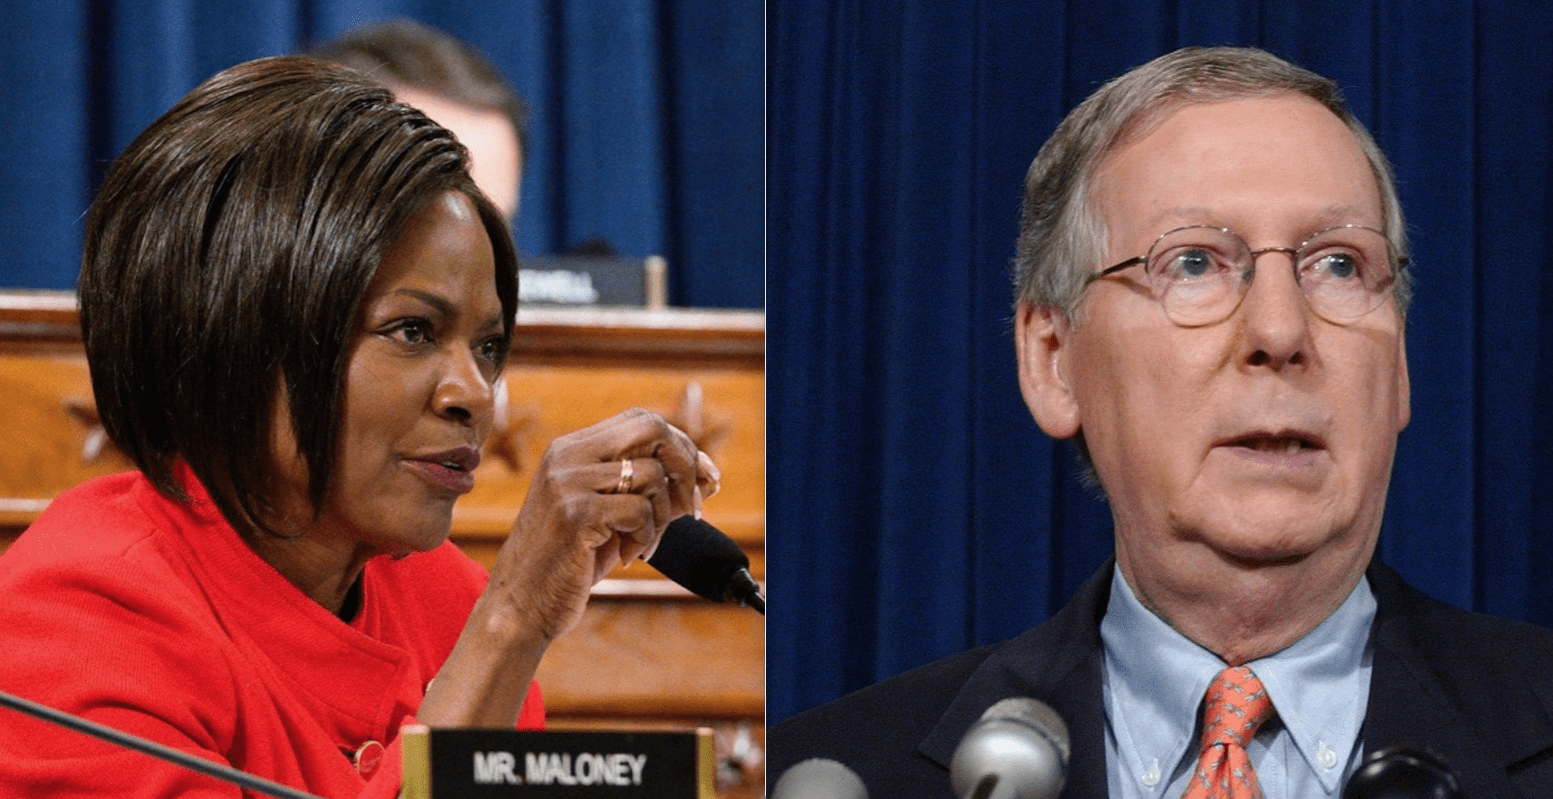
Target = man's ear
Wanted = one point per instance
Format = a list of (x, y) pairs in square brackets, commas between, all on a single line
[(1041, 340)]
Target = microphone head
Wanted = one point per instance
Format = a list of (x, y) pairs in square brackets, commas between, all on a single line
[(699, 557), (819, 778), (1402, 772), (1018, 750)]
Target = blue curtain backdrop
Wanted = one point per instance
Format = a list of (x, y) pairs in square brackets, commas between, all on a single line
[(646, 126), (915, 508)]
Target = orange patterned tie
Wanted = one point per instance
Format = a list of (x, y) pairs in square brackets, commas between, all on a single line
[(1236, 705)]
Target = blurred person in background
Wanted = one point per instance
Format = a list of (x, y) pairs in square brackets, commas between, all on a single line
[(454, 84)]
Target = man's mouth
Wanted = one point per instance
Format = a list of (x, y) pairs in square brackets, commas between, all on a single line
[(1278, 442), (1276, 445)]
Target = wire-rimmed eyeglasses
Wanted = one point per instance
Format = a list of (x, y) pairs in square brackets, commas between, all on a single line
[(1201, 273)]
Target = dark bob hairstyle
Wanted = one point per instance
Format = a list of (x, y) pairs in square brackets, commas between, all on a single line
[(229, 248)]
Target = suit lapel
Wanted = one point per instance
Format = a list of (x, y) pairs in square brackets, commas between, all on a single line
[(1058, 663), (1439, 683), (1433, 686)]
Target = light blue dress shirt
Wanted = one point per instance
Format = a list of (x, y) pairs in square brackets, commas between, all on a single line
[(1154, 680)]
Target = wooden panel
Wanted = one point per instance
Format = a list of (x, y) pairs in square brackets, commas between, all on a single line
[(713, 661), (647, 654), (638, 660), (52, 440), (720, 407)]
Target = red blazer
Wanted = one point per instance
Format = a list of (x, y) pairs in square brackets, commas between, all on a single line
[(155, 618)]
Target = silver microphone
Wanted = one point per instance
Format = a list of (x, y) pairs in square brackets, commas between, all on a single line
[(1017, 750), (819, 778)]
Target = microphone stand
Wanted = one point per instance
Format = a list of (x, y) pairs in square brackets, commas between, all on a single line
[(152, 748)]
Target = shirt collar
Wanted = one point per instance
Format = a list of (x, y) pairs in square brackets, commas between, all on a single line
[(1321, 683), (1155, 679)]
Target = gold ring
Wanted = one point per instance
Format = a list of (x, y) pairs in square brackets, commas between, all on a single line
[(626, 471)]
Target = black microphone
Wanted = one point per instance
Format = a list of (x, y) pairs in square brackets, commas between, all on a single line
[(819, 778), (701, 558), (1017, 750), (1402, 772)]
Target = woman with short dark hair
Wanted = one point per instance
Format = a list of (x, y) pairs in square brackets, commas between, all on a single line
[(295, 306)]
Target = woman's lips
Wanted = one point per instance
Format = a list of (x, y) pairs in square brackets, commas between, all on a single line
[(449, 474)]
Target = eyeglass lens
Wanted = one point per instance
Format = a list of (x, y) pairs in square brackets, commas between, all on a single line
[(1201, 273)]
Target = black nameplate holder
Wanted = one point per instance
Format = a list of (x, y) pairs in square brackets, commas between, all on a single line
[(476, 764), (593, 280)]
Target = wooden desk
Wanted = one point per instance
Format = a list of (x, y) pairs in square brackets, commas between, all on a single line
[(648, 654)]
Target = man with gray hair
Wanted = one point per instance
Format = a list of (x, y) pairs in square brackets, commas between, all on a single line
[(1242, 422)]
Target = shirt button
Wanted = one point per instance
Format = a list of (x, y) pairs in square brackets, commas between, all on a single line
[(367, 758), (1150, 778), (1325, 755)]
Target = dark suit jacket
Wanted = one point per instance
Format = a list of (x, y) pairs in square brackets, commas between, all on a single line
[(1473, 689)]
